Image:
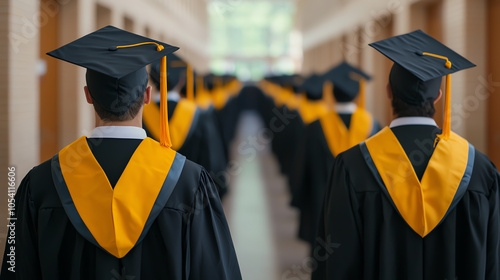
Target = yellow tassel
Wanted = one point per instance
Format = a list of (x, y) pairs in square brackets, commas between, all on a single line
[(447, 100), (447, 109), (165, 134), (190, 83)]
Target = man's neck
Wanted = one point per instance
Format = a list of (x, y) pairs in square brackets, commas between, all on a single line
[(137, 121)]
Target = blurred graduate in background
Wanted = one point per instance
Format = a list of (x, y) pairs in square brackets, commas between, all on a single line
[(194, 131), (344, 125)]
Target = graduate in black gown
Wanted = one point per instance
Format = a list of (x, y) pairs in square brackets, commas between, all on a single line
[(284, 118), (119, 205), (414, 201), (226, 110), (339, 129), (312, 107), (194, 131)]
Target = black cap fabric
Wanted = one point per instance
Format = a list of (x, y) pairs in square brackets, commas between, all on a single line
[(116, 77), (313, 87), (292, 82), (176, 70), (209, 81), (345, 79), (416, 74)]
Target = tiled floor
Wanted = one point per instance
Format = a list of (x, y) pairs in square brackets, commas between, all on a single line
[(262, 224)]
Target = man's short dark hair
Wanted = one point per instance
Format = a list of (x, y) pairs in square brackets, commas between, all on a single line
[(403, 109), (131, 113)]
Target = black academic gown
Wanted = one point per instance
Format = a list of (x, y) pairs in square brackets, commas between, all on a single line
[(286, 126), (203, 144), (362, 235), (189, 238), (310, 177), (227, 120)]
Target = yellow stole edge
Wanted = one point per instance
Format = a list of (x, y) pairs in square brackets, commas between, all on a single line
[(421, 204), (151, 119), (338, 137), (115, 217), (311, 111), (181, 122)]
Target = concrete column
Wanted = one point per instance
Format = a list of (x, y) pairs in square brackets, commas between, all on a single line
[(403, 19), (76, 116), (19, 98), (117, 17), (464, 30), (368, 64), (350, 47)]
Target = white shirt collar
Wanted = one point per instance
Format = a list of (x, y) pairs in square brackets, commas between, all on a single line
[(345, 107), (171, 96), (123, 132), (412, 121)]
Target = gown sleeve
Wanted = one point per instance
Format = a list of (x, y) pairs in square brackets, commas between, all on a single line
[(493, 257), (338, 244), (24, 238), (211, 253)]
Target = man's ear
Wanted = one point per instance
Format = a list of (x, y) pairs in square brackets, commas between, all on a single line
[(439, 97), (389, 91), (87, 95), (147, 95)]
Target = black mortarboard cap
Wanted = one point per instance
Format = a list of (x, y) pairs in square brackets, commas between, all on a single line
[(176, 70), (420, 62), (313, 87), (292, 82), (346, 79), (209, 81), (116, 76)]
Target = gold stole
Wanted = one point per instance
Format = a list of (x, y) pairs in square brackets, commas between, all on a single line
[(203, 98), (338, 137), (287, 97), (219, 98), (421, 204), (311, 111), (115, 217), (179, 125)]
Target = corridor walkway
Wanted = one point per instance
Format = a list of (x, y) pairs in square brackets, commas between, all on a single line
[(262, 224)]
